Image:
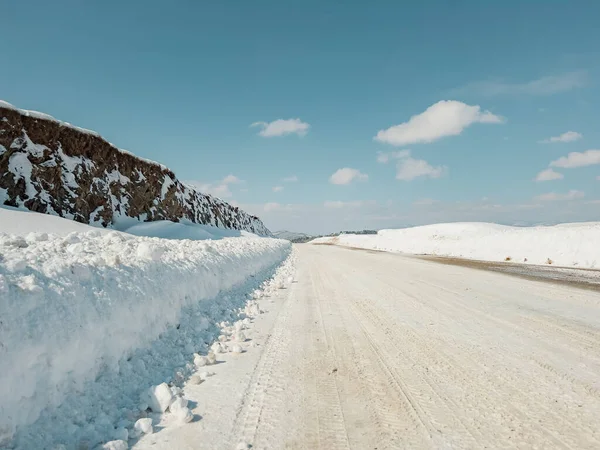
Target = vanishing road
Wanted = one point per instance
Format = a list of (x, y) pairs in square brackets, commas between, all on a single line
[(370, 350)]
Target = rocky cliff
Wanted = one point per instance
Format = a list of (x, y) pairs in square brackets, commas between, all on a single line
[(53, 167)]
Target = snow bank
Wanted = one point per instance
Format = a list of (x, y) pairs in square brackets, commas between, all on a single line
[(183, 230), (90, 318), (568, 245), (19, 221)]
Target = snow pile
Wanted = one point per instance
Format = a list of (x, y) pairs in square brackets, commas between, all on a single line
[(568, 245), (92, 318)]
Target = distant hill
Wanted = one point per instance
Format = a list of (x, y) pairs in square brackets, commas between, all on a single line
[(292, 236)]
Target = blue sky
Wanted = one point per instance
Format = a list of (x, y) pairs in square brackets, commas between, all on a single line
[(182, 83)]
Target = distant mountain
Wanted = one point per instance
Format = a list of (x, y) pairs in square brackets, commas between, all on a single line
[(292, 236), (53, 167)]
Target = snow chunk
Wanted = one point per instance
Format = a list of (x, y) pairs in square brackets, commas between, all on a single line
[(237, 348), (200, 361), (180, 411), (196, 379), (143, 426), (115, 445), (159, 397)]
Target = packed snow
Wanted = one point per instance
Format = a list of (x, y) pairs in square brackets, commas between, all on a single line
[(95, 321), (566, 245)]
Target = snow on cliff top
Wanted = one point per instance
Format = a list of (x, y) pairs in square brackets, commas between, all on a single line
[(44, 116), (568, 245)]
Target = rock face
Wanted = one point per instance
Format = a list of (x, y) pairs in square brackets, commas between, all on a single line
[(53, 167)]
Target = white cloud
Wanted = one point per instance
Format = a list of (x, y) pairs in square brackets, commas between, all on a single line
[(219, 189), (292, 179), (347, 175), (281, 127), (231, 179), (598, 178), (553, 196), (444, 118), (384, 158), (409, 168), (542, 86), (277, 188), (578, 159), (569, 136), (549, 175)]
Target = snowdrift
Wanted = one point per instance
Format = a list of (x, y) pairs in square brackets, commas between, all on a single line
[(89, 318), (568, 245)]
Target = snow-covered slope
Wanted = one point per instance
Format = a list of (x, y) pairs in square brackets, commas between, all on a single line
[(569, 245), (91, 318), (56, 168), (19, 221)]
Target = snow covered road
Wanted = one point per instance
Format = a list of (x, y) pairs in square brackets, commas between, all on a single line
[(375, 350)]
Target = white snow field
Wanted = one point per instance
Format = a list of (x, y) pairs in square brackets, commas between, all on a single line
[(91, 319), (372, 350), (566, 245)]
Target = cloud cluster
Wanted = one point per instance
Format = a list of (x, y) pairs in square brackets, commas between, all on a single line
[(219, 189), (549, 175), (409, 168), (281, 127), (572, 161), (578, 159), (444, 118), (569, 136), (347, 175)]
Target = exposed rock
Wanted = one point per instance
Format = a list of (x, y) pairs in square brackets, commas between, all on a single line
[(52, 167)]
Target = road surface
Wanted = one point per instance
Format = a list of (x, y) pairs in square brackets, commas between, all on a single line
[(371, 350)]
